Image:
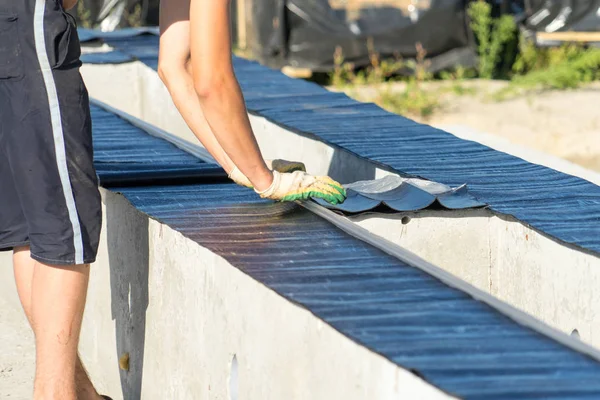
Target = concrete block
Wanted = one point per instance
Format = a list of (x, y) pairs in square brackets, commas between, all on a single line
[(184, 315)]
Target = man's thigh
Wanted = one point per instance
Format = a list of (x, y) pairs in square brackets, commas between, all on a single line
[(46, 133)]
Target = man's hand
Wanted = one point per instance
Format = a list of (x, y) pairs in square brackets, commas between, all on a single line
[(68, 4), (274, 165), (301, 186)]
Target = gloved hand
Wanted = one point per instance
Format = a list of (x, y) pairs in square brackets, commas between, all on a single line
[(274, 165), (299, 185)]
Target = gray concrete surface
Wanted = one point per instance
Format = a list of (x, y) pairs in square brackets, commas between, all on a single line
[(501, 256), (183, 314)]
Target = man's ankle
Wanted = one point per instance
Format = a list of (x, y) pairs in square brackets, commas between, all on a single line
[(85, 387), (87, 393), (61, 391)]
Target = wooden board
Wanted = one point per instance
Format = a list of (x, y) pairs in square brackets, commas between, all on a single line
[(569, 36)]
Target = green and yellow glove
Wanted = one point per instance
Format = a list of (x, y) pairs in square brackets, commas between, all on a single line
[(299, 185), (274, 165)]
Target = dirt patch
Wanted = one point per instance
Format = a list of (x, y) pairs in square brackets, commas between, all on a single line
[(17, 350)]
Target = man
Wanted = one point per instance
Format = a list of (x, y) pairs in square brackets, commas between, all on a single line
[(50, 212)]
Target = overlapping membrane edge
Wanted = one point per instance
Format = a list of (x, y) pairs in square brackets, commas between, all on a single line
[(460, 345), (562, 206)]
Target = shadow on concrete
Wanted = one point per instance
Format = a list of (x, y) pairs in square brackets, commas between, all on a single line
[(128, 247)]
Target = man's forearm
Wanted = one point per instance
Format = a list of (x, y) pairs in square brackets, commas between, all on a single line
[(181, 87), (218, 90), (226, 114)]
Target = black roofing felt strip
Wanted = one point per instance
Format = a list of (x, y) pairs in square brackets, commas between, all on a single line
[(152, 130), (498, 203), (162, 178), (111, 57)]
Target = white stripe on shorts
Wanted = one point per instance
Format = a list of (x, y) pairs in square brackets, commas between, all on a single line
[(57, 128)]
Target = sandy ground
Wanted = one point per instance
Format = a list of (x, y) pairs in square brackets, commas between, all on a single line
[(17, 351), (565, 124)]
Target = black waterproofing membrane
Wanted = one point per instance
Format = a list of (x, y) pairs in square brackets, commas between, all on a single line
[(562, 206), (563, 15), (306, 33), (454, 342)]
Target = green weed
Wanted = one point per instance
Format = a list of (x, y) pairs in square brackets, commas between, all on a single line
[(492, 34), (83, 16)]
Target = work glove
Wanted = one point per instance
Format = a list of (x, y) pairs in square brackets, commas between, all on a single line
[(274, 165), (299, 185)]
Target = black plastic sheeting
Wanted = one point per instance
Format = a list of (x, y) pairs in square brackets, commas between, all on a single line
[(88, 35), (563, 15), (560, 205), (306, 33), (456, 343), (108, 15)]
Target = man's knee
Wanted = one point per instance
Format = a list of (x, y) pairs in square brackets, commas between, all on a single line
[(21, 249)]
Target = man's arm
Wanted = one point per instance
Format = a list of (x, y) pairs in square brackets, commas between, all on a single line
[(218, 89)]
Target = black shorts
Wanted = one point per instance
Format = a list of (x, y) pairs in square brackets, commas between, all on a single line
[(49, 196)]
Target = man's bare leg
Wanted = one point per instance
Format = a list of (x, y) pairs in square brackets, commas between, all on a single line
[(24, 267)]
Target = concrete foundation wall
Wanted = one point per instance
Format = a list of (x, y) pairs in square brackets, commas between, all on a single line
[(551, 281), (522, 267), (183, 314)]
